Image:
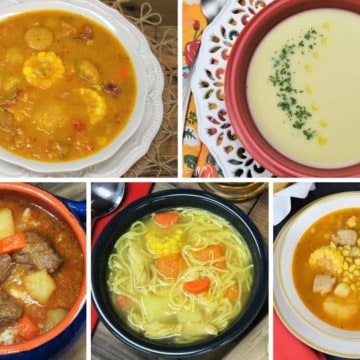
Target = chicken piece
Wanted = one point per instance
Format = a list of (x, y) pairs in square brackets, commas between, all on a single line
[(327, 258), (354, 251), (10, 309), (323, 284), (43, 69), (351, 222), (38, 38), (338, 309), (345, 237), (342, 290), (198, 329), (38, 253), (95, 105), (139, 265)]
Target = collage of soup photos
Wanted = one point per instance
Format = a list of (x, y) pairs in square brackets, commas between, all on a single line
[(179, 179)]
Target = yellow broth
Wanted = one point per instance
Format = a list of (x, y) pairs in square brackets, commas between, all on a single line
[(320, 234), (66, 90)]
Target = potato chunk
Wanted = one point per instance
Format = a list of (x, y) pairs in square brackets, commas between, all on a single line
[(88, 72), (339, 310), (7, 227), (40, 285), (53, 317), (342, 290)]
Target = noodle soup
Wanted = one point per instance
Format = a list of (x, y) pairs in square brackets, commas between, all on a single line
[(181, 276)]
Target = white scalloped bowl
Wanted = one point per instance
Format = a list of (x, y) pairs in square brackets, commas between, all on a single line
[(128, 35), (294, 314)]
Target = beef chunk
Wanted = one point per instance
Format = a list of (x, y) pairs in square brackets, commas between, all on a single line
[(5, 266), (38, 253), (10, 309)]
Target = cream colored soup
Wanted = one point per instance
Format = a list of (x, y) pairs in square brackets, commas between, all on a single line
[(303, 88)]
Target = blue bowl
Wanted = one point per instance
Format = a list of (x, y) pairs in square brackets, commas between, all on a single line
[(165, 200)]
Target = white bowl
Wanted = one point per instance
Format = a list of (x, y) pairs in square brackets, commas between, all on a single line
[(293, 313), (133, 41)]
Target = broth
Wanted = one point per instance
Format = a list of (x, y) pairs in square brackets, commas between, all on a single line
[(180, 276), (81, 71), (336, 300)]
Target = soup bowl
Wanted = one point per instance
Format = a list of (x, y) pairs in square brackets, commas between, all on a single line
[(236, 98), (137, 48), (165, 200), (299, 320), (58, 340)]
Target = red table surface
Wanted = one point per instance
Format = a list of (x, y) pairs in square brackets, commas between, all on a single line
[(133, 191)]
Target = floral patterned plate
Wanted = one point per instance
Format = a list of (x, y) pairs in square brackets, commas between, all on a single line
[(215, 129)]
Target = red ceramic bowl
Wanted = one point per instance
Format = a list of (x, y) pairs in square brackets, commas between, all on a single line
[(55, 207), (235, 88)]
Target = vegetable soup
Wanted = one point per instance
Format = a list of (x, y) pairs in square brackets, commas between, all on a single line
[(180, 276), (67, 86), (326, 268), (41, 271), (303, 84)]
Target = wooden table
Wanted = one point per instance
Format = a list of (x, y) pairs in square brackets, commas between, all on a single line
[(77, 192), (250, 346), (161, 159)]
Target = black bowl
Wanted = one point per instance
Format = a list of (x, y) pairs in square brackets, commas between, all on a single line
[(173, 199)]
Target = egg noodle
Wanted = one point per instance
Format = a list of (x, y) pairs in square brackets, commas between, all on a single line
[(133, 274)]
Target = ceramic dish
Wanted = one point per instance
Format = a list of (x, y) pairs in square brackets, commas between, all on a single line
[(236, 87), (155, 202), (138, 49), (293, 313), (61, 336), (215, 128)]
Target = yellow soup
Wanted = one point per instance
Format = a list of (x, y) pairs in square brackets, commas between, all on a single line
[(304, 85), (326, 268), (67, 86)]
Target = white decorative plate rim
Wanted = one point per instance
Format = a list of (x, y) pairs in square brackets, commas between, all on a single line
[(333, 341), (228, 162), (150, 83)]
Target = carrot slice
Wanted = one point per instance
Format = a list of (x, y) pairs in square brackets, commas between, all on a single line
[(166, 219), (197, 286), (27, 329), (122, 301), (232, 293), (212, 252), (12, 243), (169, 266)]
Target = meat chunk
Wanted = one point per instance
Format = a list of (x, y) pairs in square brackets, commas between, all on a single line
[(345, 237), (323, 284), (38, 253), (6, 266), (10, 309)]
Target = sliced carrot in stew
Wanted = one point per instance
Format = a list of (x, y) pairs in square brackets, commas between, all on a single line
[(232, 293), (212, 252), (197, 286), (169, 266), (12, 243), (27, 329), (166, 219)]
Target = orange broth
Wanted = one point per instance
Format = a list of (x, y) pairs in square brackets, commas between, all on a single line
[(66, 90)]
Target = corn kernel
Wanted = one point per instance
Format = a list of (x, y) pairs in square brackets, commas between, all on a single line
[(346, 252), (346, 266), (357, 261), (352, 268)]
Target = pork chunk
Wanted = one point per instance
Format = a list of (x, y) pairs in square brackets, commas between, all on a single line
[(323, 284), (6, 266), (10, 309), (38, 253), (345, 237)]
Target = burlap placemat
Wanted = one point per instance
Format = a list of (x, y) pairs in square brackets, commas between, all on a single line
[(161, 159)]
